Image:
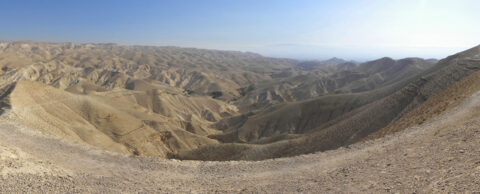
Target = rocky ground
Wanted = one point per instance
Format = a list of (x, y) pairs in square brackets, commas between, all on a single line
[(439, 156)]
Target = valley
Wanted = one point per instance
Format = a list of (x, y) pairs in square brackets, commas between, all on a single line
[(104, 117)]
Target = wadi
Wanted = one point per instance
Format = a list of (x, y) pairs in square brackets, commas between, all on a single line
[(115, 118)]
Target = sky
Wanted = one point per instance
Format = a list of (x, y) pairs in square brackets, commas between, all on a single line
[(301, 29)]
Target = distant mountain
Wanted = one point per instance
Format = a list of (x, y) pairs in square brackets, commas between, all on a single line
[(335, 61), (329, 64)]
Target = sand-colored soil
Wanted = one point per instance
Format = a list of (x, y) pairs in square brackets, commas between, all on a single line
[(439, 156), (102, 118)]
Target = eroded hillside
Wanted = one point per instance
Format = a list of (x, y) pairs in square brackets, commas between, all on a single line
[(348, 127), (440, 155), (211, 105)]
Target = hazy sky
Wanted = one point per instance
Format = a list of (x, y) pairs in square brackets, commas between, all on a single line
[(352, 29)]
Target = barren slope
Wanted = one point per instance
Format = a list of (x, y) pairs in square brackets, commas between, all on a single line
[(347, 128), (95, 118), (109, 65), (160, 101), (154, 123), (335, 80), (440, 155)]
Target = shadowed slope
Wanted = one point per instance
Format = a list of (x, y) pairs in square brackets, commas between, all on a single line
[(335, 80), (302, 116), (359, 123)]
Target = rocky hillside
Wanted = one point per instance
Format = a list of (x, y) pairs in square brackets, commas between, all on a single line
[(328, 79), (194, 70), (348, 127), (211, 105)]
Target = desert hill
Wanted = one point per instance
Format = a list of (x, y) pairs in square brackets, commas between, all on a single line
[(439, 155), (212, 105), (154, 123), (194, 70), (349, 127), (364, 77), (102, 118)]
